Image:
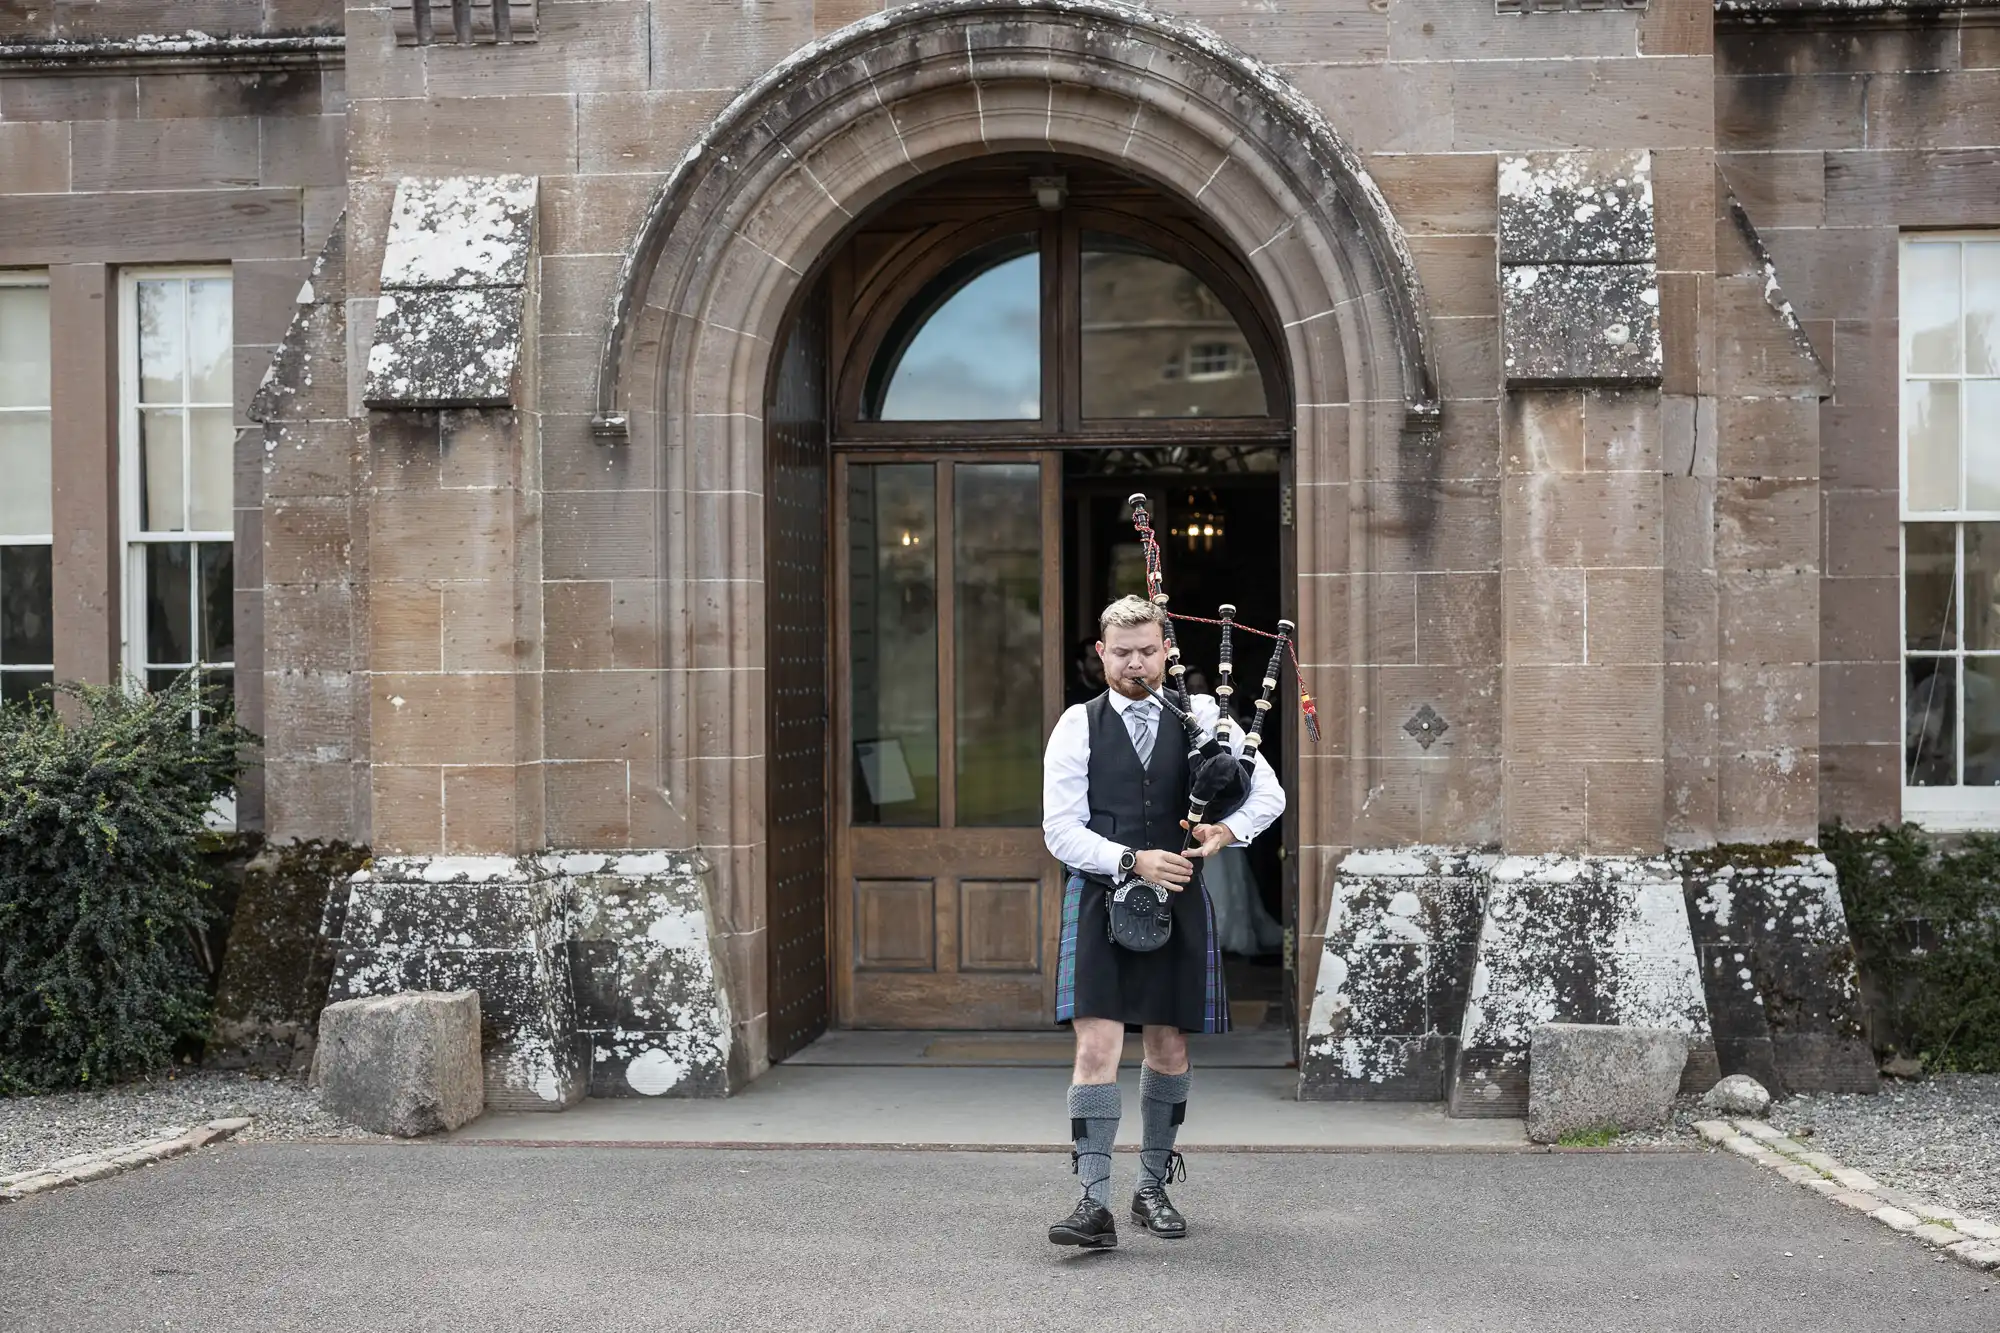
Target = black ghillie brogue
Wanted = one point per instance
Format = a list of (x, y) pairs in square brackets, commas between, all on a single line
[(1154, 1210), (1090, 1226)]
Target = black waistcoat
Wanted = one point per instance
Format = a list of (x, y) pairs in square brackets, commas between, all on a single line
[(1137, 807)]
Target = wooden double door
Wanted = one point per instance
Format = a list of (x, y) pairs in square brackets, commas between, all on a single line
[(948, 678)]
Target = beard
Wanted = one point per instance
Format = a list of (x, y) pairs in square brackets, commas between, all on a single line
[(1131, 687)]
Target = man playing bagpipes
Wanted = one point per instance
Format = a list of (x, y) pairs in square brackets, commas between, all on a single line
[(1136, 789)]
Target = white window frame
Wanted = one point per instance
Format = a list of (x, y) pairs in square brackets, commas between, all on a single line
[(1958, 808), (1235, 359), (34, 278), (133, 539)]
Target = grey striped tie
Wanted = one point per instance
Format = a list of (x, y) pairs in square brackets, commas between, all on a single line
[(1139, 720)]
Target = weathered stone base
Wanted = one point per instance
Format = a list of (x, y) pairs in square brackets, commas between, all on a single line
[(650, 1007), (1778, 966), (1439, 963), (1400, 936), (1596, 940), (595, 972)]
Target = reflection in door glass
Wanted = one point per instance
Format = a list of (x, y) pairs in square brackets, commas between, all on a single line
[(1157, 342), (997, 578), (969, 348), (892, 641)]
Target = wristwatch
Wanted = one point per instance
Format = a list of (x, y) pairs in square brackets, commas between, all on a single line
[(1126, 863)]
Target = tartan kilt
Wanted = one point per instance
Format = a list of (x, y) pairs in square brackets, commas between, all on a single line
[(1179, 985)]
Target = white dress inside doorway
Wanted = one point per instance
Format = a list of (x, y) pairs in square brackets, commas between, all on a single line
[(1241, 923)]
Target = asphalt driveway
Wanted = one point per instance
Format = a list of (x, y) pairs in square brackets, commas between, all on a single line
[(278, 1237)]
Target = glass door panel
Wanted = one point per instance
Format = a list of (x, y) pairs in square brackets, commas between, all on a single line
[(893, 641), (997, 643)]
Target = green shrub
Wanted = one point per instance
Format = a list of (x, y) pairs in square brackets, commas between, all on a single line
[(1925, 916), (101, 889)]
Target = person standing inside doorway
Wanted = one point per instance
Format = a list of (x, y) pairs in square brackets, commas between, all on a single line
[(1114, 790)]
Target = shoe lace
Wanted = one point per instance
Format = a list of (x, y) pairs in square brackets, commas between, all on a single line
[(1076, 1159), (1175, 1172)]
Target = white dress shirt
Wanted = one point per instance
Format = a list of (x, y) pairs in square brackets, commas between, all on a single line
[(1066, 790)]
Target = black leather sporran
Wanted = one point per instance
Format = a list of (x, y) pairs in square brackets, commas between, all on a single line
[(1139, 915)]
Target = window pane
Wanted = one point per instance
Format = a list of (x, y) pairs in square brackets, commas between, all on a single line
[(997, 570), (211, 373), (1982, 310), (162, 340), (213, 444), (1931, 340), (24, 347), (1982, 722), (1930, 611), (1930, 722), (160, 680), (1930, 441), (27, 605), (1982, 587), (893, 644), (219, 688), (1157, 342), (218, 615), (970, 347), (25, 687), (26, 489), (169, 610), (1982, 443), (162, 454)]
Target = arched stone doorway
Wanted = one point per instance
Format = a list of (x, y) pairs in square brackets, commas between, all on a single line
[(737, 233)]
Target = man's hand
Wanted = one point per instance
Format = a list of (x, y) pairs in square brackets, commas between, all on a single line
[(1166, 868), (1210, 839)]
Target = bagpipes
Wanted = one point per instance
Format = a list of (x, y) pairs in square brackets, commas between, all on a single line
[(1218, 779)]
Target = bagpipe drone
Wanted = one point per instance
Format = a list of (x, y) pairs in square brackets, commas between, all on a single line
[(1219, 780)]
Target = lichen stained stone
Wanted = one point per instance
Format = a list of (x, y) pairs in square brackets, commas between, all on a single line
[(455, 272), (1580, 324), (1602, 940), (1779, 970), (498, 925), (460, 231), (449, 348), (1393, 969), (650, 1007), (1577, 208), (1579, 287)]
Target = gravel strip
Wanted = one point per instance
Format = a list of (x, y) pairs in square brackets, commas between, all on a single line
[(1939, 1138), (35, 1131)]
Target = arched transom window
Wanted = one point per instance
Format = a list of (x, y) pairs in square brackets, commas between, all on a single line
[(1106, 317)]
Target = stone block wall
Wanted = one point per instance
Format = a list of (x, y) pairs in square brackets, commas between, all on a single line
[(1577, 611), (126, 138), (1836, 135)]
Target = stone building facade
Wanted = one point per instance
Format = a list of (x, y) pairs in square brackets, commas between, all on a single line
[(1598, 344)]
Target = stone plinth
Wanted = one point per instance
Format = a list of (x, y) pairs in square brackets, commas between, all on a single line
[(495, 924), (1392, 976), (596, 972), (1778, 968), (649, 1004)]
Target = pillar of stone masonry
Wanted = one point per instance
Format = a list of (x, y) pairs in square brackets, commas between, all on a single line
[(1582, 555), (454, 557), (454, 617), (1582, 582)]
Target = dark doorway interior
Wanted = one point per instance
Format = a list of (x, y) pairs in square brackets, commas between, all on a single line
[(1218, 514)]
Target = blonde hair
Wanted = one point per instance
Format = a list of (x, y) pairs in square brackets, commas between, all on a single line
[(1129, 612)]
